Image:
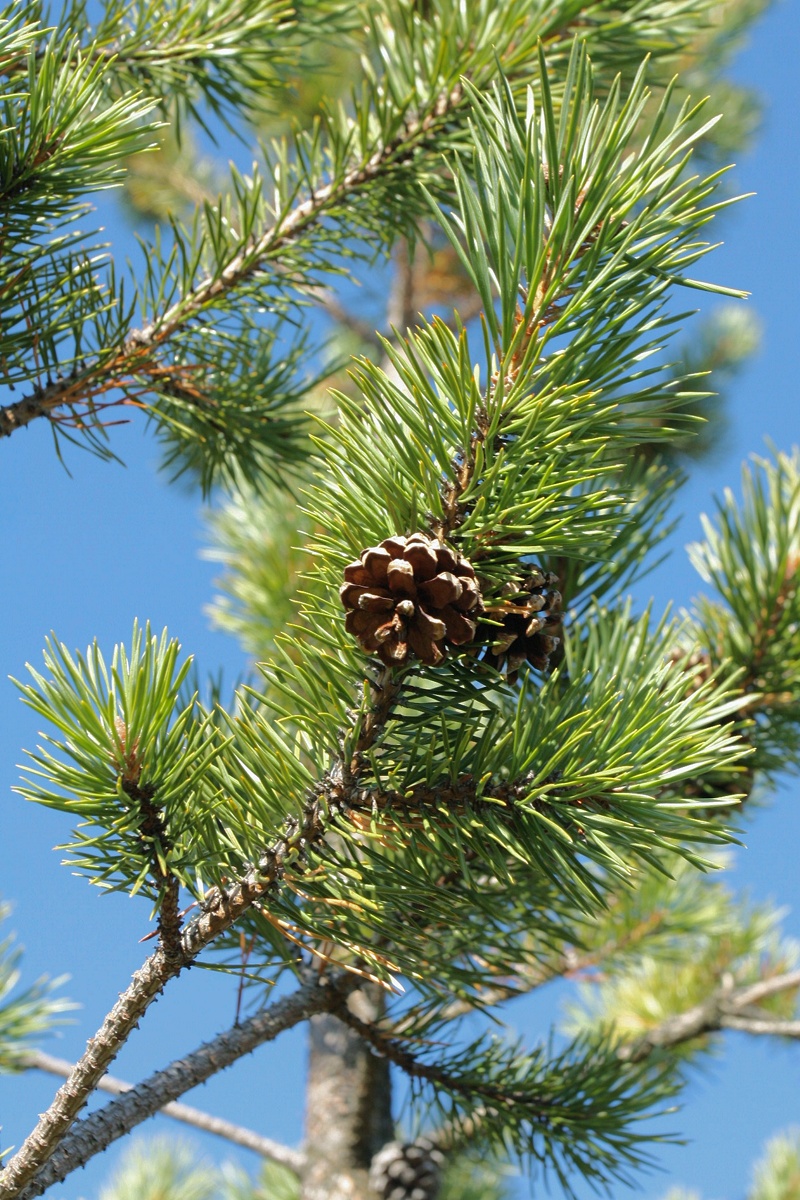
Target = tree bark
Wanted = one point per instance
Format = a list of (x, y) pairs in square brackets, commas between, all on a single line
[(348, 1104)]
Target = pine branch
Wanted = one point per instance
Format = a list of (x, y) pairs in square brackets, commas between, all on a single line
[(726, 1008), (413, 131), (415, 1068), (447, 839), (135, 358), (99, 1130), (680, 916), (153, 831), (327, 300), (773, 986), (750, 554), (222, 909), (195, 57), (569, 962), (532, 1104), (760, 1025), (219, 910), (237, 1134)]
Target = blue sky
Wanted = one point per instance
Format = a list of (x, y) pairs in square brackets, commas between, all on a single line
[(86, 554)]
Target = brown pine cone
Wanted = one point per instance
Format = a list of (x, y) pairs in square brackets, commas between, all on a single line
[(527, 615), (407, 1171), (410, 595)]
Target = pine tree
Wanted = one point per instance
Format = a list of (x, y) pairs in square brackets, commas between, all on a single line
[(465, 765)]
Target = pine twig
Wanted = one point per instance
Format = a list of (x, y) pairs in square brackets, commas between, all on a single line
[(221, 910), (96, 1132), (196, 1117), (761, 1025), (726, 1008), (569, 962), (765, 988), (397, 1052), (136, 353)]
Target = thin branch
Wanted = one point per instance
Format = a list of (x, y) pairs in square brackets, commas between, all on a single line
[(147, 983), (772, 986), (397, 1052), (96, 1132), (724, 1009), (136, 352), (172, 50), (341, 790), (695, 1022), (237, 1134), (528, 976), (756, 1025), (327, 300), (402, 306), (220, 911), (221, 908), (153, 832)]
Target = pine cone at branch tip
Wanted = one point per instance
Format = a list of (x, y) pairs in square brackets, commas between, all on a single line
[(411, 595), (522, 621), (407, 1171)]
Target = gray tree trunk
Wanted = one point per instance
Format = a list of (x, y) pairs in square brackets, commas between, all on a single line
[(348, 1104)]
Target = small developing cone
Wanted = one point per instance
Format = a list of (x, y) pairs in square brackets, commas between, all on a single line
[(530, 614)]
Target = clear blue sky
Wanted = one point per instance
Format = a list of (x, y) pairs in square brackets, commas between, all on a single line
[(87, 554)]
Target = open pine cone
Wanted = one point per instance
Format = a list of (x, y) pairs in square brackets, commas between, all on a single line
[(527, 615), (410, 595), (407, 1171)]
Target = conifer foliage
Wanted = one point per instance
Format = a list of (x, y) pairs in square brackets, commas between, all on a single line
[(466, 763)]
